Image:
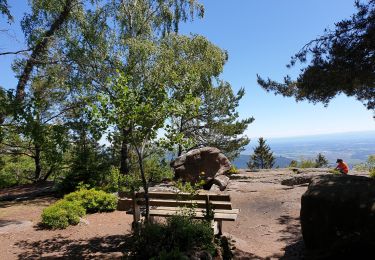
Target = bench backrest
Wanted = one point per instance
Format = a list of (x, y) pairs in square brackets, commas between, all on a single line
[(200, 200)]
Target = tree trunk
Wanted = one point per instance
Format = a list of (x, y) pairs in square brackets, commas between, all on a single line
[(179, 150), (40, 48), (124, 160), (179, 145), (48, 173), (38, 167), (144, 184)]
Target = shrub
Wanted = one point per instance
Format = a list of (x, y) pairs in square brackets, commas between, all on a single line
[(306, 164), (180, 234), (93, 200), (15, 170), (369, 166), (321, 161), (62, 214), (233, 170), (293, 163), (372, 173)]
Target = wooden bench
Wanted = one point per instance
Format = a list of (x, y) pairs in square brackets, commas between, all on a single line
[(165, 204)]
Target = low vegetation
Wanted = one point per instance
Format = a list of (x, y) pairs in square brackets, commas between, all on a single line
[(62, 214), (178, 237), (68, 210), (368, 166), (319, 162)]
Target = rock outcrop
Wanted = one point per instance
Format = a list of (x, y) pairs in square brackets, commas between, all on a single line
[(207, 163), (338, 217)]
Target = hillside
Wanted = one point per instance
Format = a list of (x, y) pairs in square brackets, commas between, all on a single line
[(241, 161), (354, 147)]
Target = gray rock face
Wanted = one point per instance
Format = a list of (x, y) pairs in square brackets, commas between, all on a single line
[(207, 163), (338, 217)]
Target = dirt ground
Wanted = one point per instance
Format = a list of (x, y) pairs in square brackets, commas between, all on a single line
[(267, 226), (99, 236)]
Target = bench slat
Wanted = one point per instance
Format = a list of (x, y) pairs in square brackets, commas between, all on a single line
[(179, 203), (199, 215), (179, 209), (185, 196)]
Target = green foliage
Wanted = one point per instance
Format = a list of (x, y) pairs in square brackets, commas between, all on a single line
[(188, 187), (175, 254), (233, 170), (305, 163), (334, 171), (369, 165), (340, 61), (293, 163), (62, 214), (180, 234), (371, 162), (321, 161), (157, 168), (93, 200), (372, 173), (67, 211), (4, 10), (15, 170), (89, 164), (262, 157)]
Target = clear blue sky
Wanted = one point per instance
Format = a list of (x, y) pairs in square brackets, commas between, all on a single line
[(260, 37)]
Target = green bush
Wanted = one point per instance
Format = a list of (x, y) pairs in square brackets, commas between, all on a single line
[(233, 170), (180, 234), (372, 173), (93, 200), (15, 170), (306, 164), (293, 163), (62, 214)]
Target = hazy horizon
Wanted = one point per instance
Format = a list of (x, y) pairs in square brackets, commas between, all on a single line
[(314, 135), (353, 147)]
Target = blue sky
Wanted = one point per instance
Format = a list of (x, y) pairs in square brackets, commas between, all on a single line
[(260, 37)]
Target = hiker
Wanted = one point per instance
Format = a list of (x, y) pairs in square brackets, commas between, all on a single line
[(342, 166)]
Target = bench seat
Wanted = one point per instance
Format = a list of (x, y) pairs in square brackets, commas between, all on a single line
[(226, 215)]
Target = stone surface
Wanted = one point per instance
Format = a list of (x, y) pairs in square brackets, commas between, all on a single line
[(221, 181), (205, 163), (338, 216)]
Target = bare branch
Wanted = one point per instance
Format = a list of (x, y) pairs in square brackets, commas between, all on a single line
[(14, 52)]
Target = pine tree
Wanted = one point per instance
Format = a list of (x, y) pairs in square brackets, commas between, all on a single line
[(262, 157), (321, 161)]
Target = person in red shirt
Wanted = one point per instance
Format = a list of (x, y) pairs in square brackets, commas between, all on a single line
[(342, 167)]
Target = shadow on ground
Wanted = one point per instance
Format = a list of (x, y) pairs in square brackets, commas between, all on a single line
[(109, 247), (4, 223), (292, 236), (44, 200)]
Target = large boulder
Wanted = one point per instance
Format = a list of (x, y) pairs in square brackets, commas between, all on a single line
[(338, 217), (207, 163)]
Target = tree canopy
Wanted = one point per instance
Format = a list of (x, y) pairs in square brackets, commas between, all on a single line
[(117, 72), (340, 61)]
